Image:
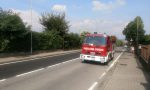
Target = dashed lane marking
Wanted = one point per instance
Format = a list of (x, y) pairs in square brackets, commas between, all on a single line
[(62, 63), (23, 74), (2, 80)]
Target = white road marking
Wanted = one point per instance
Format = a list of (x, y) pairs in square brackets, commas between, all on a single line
[(31, 59), (62, 63), (113, 63), (2, 80), (23, 74), (93, 86), (105, 72), (102, 75)]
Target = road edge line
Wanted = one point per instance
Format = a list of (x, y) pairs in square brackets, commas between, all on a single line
[(93, 86), (105, 72)]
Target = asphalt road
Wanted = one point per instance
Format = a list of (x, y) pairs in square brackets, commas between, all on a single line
[(65, 72), (10, 70)]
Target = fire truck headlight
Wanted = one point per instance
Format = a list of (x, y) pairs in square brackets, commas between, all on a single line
[(82, 56)]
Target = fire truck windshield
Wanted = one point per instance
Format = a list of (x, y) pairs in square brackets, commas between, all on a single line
[(95, 40)]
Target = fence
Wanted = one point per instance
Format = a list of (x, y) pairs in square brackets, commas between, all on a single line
[(145, 54)]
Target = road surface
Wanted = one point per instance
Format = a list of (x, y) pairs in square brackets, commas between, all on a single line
[(63, 72)]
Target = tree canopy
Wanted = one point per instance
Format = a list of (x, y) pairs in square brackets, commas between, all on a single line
[(55, 22), (113, 38), (15, 35), (12, 29), (135, 30), (146, 39)]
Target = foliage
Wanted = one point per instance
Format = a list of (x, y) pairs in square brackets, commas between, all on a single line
[(83, 34), (36, 40), (130, 30), (16, 36), (146, 39), (72, 40), (12, 30), (119, 43), (54, 22), (113, 39), (51, 40), (56, 32)]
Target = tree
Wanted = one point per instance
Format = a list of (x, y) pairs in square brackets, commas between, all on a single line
[(12, 31), (55, 22), (130, 30), (36, 40), (83, 34), (113, 39), (72, 40), (119, 42), (146, 39), (51, 40)]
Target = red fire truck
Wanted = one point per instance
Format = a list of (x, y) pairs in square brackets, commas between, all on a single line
[(97, 47)]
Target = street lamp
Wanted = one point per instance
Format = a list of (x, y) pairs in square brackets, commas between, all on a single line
[(31, 25), (137, 31)]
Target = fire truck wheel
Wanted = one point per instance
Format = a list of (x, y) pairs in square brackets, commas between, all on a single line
[(109, 57), (112, 56), (106, 63), (83, 61)]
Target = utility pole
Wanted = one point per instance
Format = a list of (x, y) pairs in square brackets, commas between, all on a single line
[(31, 25), (137, 36)]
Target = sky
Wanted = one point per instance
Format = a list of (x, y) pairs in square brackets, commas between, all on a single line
[(102, 16)]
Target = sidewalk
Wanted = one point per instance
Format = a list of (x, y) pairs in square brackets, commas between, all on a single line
[(127, 75), (40, 55)]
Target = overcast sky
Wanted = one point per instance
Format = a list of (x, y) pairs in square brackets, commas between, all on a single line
[(109, 16)]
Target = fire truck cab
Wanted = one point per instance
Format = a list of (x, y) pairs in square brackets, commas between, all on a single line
[(97, 47)]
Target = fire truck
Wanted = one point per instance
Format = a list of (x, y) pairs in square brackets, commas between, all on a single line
[(97, 47)]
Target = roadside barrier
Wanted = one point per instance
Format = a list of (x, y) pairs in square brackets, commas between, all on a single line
[(145, 54)]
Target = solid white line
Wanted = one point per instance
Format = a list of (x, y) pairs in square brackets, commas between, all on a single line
[(62, 63), (2, 80), (23, 74), (105, 72), (102, 75), (31, 59), (29, 72), (114, 62), (93, 86)]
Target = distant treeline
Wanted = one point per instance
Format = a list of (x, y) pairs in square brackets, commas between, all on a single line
[(15, 35)]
